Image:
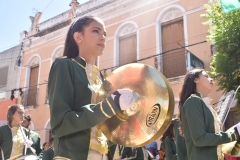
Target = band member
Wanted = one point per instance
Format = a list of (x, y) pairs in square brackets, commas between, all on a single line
[(45, 146), (12, 135), (152, 149), (179, 141), (139, 153), (74, 84), (115, 152), (200, 126), (49, 153), (168, 143), (33, 136)]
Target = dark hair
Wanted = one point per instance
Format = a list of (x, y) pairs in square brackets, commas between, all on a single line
[(27, 117), (168, 132), (51, 140), (44, 144), (11, 111), (188, 88), (71, 48)]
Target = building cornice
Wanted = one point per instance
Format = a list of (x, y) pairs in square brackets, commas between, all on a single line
[(126, 10)]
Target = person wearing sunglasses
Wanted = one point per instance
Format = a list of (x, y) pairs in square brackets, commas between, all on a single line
[(12, 135)]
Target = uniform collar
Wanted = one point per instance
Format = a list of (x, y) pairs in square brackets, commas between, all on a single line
[(198, 94), (81, 60)]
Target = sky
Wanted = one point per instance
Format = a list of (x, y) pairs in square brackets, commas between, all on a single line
[(14, 17)]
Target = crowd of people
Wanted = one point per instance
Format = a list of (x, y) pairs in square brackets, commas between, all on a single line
[(75, 111)]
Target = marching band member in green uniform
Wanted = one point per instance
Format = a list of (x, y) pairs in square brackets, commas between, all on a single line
[(49, 153), (32, 136), (13, 135), (139, 153), (115, 152), (179, 141), (74, 88), (200, 126), (168, 143)]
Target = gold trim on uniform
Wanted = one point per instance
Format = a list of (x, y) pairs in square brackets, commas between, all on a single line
[(61, 158), (103, 111), (62, 57), (78, 63), (231, 137), (110, 106), (99, 148), (235, 136)]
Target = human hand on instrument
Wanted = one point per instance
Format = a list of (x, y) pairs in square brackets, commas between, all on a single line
[(124, 98), (28, 143)]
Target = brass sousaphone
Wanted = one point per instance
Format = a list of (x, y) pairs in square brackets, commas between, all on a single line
[(148, 118), (232, 148)]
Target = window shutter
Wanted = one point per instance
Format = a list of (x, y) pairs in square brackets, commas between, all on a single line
[(127, 49), (32, 91), (174, 62)]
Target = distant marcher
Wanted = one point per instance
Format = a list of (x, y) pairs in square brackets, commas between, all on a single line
[(130, 153), (33, 136), (12, 135), (152, 148), (49, 153), (115, 152), (179, 141), (45, 146), (168, 143)]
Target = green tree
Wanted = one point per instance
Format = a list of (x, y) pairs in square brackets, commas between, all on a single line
[(224, 34)]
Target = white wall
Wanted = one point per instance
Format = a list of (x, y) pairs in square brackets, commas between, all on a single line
[(8, 58)]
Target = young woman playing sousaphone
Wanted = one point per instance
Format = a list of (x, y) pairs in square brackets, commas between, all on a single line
[(200, 123)]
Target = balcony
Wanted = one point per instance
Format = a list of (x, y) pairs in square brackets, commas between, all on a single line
[(176, 66), (30, 98)]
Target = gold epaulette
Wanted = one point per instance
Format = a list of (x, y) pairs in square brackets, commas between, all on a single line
[(62, 57)]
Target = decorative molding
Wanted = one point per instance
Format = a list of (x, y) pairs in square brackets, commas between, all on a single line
[(58, 53), (47, 125), (135, 9), (129, 28), (45, 60), (34, 61), (172, 14), (34, 41)]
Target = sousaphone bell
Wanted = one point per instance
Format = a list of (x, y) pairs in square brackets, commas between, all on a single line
[(149, 117), (232, 148)]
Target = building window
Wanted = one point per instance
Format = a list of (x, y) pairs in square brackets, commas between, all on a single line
[(173, 62), (33, 86), (3, 81), (127, 49)]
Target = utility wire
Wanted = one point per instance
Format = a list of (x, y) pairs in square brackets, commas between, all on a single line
[(121, 65), (156, 55)]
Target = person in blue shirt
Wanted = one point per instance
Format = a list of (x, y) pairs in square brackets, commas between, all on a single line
[(152, 147)]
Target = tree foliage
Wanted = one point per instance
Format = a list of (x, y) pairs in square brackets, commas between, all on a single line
[(224, 34)]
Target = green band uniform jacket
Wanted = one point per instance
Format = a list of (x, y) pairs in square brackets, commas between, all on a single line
[(140, 151), (169, 148), (48, 154), (180, 142), (36, 142), (71, 111), (199, 132), (115, 152)]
